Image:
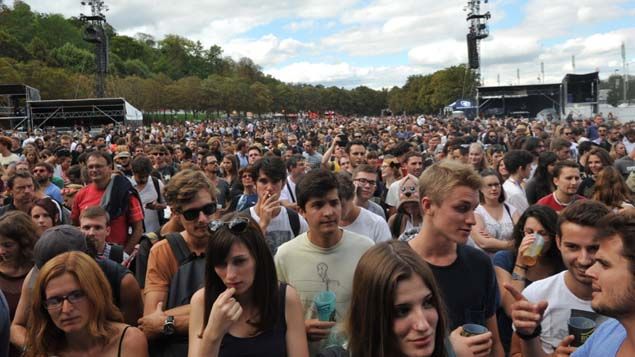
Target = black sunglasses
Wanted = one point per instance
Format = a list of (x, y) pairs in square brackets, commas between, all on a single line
[(193, 213), (236, 225)]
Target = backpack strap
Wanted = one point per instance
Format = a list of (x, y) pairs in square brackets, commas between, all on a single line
[(508, 211), (179, 248), (294, 220)]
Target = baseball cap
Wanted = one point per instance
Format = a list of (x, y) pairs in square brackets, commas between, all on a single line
[(122, 155), (57, 240)]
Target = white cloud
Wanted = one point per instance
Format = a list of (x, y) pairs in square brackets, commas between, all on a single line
[(266, 51), (300, 25), (344, 74)]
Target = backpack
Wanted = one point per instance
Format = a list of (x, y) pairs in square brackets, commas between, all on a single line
[(116, 253), (187, 280), (190, 275), (160, 199)]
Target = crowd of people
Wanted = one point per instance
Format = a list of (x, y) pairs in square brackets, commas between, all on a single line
[(382, 236)]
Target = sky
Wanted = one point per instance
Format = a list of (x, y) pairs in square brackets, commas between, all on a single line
[(379, 43)]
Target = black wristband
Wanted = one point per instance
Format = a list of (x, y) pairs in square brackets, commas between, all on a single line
[(535, 334)]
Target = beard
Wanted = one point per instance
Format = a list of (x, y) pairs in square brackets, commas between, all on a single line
[(619, 306)]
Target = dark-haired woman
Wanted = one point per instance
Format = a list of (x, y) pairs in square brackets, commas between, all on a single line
[(17, 238), (536, 220), (45, 214), (243, 310), (541, 184)]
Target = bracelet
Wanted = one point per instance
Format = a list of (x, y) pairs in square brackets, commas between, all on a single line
[(522, 267), (535, 334)]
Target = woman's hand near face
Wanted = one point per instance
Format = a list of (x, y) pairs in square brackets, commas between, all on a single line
[(225, 311), (528, 240)]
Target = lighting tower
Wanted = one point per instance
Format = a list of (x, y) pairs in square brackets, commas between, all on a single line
[(94, 33), (477, 31)]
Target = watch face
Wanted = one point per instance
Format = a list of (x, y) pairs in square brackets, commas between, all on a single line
[(168, 329)]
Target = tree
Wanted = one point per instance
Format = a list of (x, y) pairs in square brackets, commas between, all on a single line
[(11, 47), (76, 59), (261, 99)]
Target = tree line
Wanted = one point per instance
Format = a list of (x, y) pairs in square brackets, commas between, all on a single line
[(47, 51)]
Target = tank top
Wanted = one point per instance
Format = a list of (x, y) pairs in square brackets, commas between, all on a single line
[(268, 343)]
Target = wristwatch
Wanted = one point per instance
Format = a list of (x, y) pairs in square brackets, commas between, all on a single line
[(168, 326), (518, 277)]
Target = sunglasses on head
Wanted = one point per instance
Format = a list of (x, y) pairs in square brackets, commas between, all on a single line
[(236, 225), (193, 213)]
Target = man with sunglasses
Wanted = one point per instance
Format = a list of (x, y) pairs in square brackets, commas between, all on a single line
[(210, 167), (176, 264)]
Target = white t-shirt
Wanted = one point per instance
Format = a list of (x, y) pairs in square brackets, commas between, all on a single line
[(288, 191), (279, 229), (370, 225), (311, 269), (392, 197), (6, 160), (562, 304), (149, 194), (515, 196)]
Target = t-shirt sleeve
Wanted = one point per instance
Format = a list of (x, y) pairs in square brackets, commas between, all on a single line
[(161, 268), (504, 259), (135, 212), (382, 231), (392, 197), (280, 271), (75, 208)]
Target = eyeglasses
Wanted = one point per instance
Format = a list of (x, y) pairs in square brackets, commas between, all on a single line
[(212, 162), (568, 133), (236, 225), (193, 213), (366, 182), (158, 154), (55, 302)]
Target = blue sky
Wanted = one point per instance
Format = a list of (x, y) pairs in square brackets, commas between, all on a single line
[(379, 43)]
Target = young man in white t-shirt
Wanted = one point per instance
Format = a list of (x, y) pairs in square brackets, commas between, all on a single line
[(357, 219), (325, 257), (273, 218), (564, 295)]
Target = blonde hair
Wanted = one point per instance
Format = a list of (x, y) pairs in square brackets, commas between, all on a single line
[(438, 180)]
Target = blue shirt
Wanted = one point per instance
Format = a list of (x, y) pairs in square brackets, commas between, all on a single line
[(5, 323), (54, 192), (605, 341)]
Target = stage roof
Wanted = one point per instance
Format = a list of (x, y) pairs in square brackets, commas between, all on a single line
[(519, 91)]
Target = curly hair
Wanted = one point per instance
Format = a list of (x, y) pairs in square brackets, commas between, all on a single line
[(184, 186), (18, 226)]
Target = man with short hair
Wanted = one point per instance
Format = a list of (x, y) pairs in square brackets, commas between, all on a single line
[(6, 156), (43, 173), (150, 191), (356, 151), (357, 219), (159, 156), (629, 140), (21, 187), (241, 153), (626, 164), (280, 224), (210, 167), (296, 167), (123, 161), (365, 180), (324, 258), (94, 222), (564, 295), (116, 195), (254, 154), (448, 194), (175, 267), (518, 164), (613, 281), (313, 158), (562, 147), (566, 178)]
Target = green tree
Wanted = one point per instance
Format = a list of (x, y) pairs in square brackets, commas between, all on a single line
[(73, 58), (261, 99), (11, 47)]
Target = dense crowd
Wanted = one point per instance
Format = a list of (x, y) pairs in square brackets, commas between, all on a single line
[(374, 236)]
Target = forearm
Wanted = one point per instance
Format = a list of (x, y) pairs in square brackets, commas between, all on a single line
[(135, 237), (209, 347), (18, 335), (532, 348)]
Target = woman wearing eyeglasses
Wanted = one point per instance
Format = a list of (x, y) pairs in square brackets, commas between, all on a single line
[(70, 316), (243, 310)]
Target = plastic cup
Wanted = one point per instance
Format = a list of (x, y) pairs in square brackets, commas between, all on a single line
[(581, 328), (473, 330), (325, 305)]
